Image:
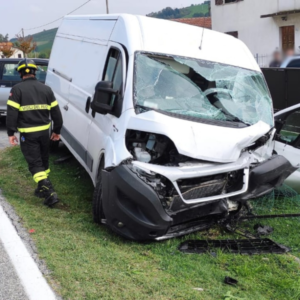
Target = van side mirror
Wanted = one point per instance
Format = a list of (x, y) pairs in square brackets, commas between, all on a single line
[(102, 101)]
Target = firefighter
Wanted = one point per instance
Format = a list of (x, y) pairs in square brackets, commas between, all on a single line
[(29, 108)]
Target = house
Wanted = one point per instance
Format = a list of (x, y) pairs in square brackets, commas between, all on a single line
[(200, 22), (17, 53), (263, 25)]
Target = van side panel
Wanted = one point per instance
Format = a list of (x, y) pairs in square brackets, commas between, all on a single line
[(94, 30), (79, 56)]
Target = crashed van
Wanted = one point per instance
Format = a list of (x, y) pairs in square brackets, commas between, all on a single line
[(173, 123)]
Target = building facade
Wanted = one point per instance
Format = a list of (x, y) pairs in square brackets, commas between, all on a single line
[(263, 25), (17, 53)]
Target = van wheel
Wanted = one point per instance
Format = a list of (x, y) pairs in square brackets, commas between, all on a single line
[(97, 197)]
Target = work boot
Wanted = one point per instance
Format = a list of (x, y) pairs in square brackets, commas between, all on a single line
[(45, 190), (39, 192)]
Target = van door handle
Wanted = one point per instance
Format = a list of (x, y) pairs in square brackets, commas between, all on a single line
[(88, 105), (66, 107)]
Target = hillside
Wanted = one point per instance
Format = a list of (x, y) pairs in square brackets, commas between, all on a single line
[(199, 10), (44, 40)]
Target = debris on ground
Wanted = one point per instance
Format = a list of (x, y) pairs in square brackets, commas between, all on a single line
[(238, 246), (263, 230), (230, 281), (198, 289)]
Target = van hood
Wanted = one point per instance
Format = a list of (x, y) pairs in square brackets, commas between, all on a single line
[(198, 140)]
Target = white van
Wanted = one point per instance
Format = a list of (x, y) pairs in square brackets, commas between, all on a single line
[(173, 122)]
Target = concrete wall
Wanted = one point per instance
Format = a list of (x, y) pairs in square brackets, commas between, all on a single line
[(261, 35)]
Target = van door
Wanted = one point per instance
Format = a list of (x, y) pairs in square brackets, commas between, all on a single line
[(287, 141), (103, 127), (86, 70)]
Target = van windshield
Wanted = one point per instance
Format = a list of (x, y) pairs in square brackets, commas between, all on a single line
[(198, 89)]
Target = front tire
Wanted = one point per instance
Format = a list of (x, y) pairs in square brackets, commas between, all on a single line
[(98, 213)]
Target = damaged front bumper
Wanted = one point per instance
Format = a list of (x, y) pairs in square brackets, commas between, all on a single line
[(134, 207)]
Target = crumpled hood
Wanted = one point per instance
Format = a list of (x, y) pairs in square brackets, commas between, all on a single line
[(198, 140)]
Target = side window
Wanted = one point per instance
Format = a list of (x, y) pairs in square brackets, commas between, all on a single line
[(291, 129), (114, 71), (41, 73), (294, 64), (10, 73)]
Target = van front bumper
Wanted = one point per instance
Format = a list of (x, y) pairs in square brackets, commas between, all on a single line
[(134, 210)]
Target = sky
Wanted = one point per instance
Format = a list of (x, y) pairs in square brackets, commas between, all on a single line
[(17, 14)]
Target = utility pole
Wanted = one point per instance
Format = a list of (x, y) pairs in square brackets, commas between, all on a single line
[(107, 10), (24, 54)]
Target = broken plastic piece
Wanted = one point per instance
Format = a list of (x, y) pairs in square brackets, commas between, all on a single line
[(230, 281), (244, 246), (263, 230)]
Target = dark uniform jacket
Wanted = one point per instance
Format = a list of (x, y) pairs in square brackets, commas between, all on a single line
[(29, 107)]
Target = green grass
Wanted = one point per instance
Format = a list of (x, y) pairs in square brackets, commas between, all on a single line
[(89, 262)]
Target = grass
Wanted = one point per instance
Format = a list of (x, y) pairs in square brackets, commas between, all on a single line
[(89, 262)]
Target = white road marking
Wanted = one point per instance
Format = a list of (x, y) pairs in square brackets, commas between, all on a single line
[(35, 285)]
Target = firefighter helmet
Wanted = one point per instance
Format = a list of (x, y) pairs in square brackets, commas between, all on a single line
[(26, 66)]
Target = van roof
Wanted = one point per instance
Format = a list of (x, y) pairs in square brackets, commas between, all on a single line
[(140, 33)]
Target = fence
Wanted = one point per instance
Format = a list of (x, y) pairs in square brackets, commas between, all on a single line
[(284, 86), (263, 60)]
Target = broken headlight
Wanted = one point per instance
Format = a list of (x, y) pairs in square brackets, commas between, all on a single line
[(161, 185)]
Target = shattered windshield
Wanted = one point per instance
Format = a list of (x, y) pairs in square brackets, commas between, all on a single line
[(201, 89)]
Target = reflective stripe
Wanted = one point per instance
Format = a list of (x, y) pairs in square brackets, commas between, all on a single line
[(39, 176), (35, 107), (28, 65), (47, 171), (34, 129), (54, 103), (13, 104)]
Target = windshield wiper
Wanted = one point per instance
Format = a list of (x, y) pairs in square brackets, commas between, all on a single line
[(145, 108), (232, 117)]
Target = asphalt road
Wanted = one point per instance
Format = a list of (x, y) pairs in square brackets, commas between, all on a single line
[(10, 286), (3, 136)]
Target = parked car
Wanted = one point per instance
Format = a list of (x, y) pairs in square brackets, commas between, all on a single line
[(288, 140), (9, 77), (291, 62), (174, 133)]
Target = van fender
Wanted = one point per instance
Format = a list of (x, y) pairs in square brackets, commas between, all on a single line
[(110, 153)]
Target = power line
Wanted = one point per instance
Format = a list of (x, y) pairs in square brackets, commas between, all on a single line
[(60, 17)]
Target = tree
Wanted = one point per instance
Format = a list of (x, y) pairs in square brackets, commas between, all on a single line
[(3, 38), (42, 55), (25, 44), (7, 50)]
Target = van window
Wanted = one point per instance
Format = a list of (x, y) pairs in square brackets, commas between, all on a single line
[(114, 70), (291, 129), (10, 73), (41, 73)]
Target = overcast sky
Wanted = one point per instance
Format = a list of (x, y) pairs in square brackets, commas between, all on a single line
[(17, 14)]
